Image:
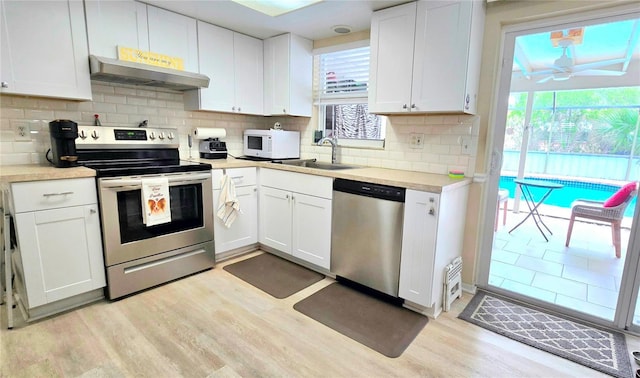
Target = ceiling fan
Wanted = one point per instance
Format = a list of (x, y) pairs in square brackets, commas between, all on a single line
[(564, 68)]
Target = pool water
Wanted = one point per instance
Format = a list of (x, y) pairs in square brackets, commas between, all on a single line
[(572, 191)]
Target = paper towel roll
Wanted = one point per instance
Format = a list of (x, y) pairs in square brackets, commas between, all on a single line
[(204, 133)]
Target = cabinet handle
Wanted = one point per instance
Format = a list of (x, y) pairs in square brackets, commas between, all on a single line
[(432, 211), (239, 109), (284, 110), (413, 106), (92, 211), (404, 106), (5, 84), (287, 196), (233, 109), (56, 194)]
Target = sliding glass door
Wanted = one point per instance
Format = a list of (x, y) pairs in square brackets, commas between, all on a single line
[(556, 122)]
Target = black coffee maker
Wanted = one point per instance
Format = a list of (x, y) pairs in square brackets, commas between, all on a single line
[(63, 143)]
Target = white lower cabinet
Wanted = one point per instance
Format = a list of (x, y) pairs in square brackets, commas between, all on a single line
[(59, 242), (295, 215), (244, 229), (433, 230)]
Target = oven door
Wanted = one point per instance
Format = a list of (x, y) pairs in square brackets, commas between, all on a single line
[(127, 238)]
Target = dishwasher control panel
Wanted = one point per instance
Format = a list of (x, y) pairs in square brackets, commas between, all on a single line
[(391, 193)]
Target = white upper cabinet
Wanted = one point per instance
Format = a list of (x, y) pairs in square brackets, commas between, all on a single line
[(425, 57), (233, 62), (390, 67), (136, 25), (44, 49), (173, 34), (288, 75), (249, 78), (116, 23)]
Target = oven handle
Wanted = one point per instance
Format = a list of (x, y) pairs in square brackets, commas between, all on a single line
[(134, 184)]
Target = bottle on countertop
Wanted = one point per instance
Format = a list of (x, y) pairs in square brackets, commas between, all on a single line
[(96, 121)]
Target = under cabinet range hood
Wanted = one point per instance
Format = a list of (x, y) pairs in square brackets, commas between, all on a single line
[(119, 71)]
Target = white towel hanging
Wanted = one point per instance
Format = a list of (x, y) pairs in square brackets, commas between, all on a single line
[(156, 206), (228, 205)]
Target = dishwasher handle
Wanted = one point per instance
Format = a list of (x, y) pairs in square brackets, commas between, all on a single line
[(385, 192)]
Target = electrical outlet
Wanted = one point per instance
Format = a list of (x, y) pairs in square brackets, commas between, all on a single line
[(416, 140), (22, 131), (467, 146)]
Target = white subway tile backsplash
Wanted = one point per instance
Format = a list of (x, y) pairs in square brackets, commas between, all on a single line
[(104, 88), (137, 101), (119, 90), (128, 105), (114, 118), (115, 99), (148, 93), (126, 109), (11, 113), (63, 114), (38, 114), (6, 147)]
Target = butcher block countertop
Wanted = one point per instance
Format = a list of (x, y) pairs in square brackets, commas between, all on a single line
[(406, 179)]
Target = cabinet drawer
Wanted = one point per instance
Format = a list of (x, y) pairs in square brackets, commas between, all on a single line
[(318, 186), (240, 176), (43, 195)]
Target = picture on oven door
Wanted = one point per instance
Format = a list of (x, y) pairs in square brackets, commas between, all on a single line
[(157, 207)]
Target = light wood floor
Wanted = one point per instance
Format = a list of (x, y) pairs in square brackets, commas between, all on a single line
[(214, 325)]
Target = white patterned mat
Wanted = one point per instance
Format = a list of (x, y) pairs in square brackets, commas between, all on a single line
[(597, 348)]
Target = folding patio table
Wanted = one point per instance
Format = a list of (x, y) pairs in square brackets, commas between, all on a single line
[(525, 185)]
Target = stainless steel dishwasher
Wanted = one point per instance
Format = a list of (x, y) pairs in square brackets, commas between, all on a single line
[(366, 234)]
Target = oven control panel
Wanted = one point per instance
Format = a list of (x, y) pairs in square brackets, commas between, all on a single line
[(126, 137)]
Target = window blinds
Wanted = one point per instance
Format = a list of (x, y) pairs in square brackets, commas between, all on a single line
[(342, 76)]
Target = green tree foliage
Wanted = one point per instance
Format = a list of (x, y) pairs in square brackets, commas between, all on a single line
[(595, 121)]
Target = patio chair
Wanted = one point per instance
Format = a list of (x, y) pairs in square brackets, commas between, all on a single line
[(503, 198), (605, 211)]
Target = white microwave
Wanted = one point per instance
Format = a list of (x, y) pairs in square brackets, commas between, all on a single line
[(272, 144)]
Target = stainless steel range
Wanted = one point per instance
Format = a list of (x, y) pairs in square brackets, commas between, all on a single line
[(139, 255)]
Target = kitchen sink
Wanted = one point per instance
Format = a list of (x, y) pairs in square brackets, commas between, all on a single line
[(312, 163)]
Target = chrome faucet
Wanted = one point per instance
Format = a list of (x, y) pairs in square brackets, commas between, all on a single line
[(334, 144)]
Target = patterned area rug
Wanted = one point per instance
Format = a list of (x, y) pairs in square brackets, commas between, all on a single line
[(597, 348)]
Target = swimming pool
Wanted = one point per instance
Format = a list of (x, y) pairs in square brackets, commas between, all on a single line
[(572, 190)]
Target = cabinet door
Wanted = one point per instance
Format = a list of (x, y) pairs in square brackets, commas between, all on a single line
[(275, 219), (44, 49), (300, 76), (418, 247), (312, 229), (244, 230), (215, 45), (56, 266), (440, 57), (390, 70), (173, 34), (116, 23), (248, 64), (276, 75)]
